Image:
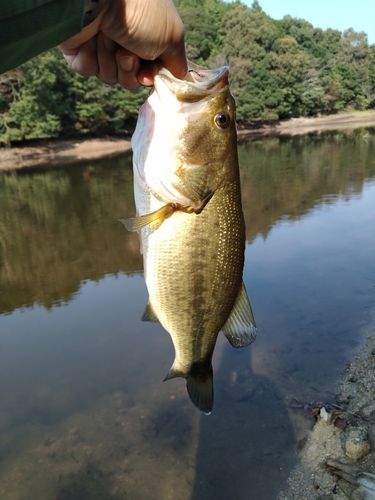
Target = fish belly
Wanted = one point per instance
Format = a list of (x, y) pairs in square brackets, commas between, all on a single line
[(193, 271)]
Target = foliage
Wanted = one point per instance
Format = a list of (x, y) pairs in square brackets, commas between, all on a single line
[(60, 227), (279, 69), (44, 98)]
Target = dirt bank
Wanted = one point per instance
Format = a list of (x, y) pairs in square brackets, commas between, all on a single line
[(300, 126), (331, 440), (62, 152)]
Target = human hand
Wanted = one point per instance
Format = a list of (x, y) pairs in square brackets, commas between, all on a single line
[(120, 43)]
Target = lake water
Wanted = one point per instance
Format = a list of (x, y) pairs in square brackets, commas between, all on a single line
[(83, 410)]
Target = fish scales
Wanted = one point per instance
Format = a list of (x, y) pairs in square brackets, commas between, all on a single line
[(194, 290), (190, 220)]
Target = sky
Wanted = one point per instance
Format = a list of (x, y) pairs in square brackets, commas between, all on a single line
[(336, 14)]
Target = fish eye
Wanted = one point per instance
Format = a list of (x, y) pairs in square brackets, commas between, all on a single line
[(222, 120)]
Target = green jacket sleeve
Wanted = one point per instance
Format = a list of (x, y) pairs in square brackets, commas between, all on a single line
[(29, 27)]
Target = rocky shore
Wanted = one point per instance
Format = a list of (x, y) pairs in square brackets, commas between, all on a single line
[(338, 457)]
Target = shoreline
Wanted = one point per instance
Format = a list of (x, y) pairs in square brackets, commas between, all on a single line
[(306, 125), (56, 152), (326, 469)]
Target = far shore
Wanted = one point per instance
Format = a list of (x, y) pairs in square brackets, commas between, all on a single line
[(55, 152)]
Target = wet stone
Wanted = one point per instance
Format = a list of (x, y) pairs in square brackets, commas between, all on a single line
[(357, 444)]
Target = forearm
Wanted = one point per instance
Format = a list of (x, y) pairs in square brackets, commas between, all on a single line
[(119, 39), (29, 27)]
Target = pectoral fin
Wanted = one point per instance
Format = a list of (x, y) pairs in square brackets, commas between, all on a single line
[(240, 327), (157, 218)]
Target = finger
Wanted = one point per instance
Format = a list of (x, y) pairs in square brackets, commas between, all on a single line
[(175, 60), (128, 65), (173, 57), (146, 73), (107, 59), (83, 59)]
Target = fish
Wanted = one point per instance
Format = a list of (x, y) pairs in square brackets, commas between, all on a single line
[(190, 221)]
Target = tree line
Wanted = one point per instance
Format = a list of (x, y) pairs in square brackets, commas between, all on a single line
[(279, 69)]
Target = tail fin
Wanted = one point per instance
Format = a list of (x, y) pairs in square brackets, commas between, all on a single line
[(201, 390), (199, 384)]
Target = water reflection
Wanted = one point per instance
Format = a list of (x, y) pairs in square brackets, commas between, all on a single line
[(67, 219), (285, 178), (58, 228), (83, 412)]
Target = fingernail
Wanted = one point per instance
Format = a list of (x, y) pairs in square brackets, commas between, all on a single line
[(127, 63)]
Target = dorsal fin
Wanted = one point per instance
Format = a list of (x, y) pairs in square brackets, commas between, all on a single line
[(240, 328)]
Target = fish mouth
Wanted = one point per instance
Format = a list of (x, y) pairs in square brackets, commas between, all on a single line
[(198, 83)]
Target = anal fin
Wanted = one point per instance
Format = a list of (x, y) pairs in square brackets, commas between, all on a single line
[(240, 328), (149, 314)]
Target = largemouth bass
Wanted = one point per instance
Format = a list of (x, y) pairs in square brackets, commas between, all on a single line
[(189, 216)]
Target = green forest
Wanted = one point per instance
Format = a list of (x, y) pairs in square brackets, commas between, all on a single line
[(279, 69)]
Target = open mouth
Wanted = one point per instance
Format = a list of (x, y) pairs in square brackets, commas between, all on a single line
[(198, 83)]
